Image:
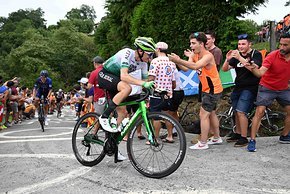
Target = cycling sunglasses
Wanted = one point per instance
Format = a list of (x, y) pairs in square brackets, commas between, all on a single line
[(150, 54), (243, 36)]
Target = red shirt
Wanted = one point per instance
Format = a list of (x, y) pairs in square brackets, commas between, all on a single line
[(98, 93), (278, 73)]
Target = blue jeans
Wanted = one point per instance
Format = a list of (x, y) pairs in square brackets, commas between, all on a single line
[(243, 101)]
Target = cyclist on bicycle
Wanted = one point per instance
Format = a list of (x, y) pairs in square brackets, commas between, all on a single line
[(59, 99), (42, 86), (115, 78)]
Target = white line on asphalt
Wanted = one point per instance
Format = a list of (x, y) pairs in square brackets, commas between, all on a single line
[(4, 135), (34, 140), (65, 156), (62, 179)]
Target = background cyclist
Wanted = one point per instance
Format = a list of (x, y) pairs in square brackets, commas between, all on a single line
[(116, 79), (59, 99), (42, 86)]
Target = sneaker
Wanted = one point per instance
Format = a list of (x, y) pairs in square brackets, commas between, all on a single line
[(113, 122), (284, 139), (123, 124), (199, 146), (121, 157), (8, 124), (252, 145), (213, 141), (234, 138), (243, 141), (106, 125)]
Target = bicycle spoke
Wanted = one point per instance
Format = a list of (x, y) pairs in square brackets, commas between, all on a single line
[(156, 160), (87, 147)]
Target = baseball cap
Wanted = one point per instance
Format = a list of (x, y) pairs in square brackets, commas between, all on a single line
[(98, 59), (162, 45), (83, 80)]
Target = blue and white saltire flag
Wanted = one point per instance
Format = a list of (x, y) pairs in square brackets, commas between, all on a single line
[(189, 81)]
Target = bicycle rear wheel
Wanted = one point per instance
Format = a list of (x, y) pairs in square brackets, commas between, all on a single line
[(275, 124), (160, 160), (58, 110), (87, 147)]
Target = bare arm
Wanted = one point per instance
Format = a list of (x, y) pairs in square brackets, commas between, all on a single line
[(258, 72), (129, 79), (173, 85), (34, 93), (226, 66), (183, 68), (206, 59), (90, 85)]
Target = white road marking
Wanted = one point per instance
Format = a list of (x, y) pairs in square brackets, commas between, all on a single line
[(4, 135), (65, 156), (35, 140), (60, 180)]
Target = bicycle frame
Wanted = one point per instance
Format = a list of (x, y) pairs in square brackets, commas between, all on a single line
[(141, 111), (41, 112)]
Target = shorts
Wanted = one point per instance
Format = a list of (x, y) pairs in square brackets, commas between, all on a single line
[(100, 105), (39, 94), (58, 100), (78, 107), (266, 96), (209, 101), (157, 105), (176, 100), (131, 109), (243, 101), (109, 82), (14, 106)]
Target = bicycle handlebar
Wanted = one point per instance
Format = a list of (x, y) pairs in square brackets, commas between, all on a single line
[(147, 92)]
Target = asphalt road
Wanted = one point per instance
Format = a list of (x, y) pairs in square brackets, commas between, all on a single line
[(32, 161)]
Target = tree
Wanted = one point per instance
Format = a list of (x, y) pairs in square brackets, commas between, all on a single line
[(173, 21), (82, 18), (73, 52), (27, 60), (114, 31)]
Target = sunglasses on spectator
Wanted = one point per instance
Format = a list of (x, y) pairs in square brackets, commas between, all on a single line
[(195, 35), (243, 36)]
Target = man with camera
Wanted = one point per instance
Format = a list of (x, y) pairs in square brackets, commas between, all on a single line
[(246, 85)]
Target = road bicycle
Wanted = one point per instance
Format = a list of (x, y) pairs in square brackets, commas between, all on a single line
[(156, 160), (41, 117), (187, 118), (58, 114), (272, 123)]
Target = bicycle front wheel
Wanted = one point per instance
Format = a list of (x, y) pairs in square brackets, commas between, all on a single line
[(274, 124), (156, 161), (227, 124), (88, 140), (188, 121), (41, 118)]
